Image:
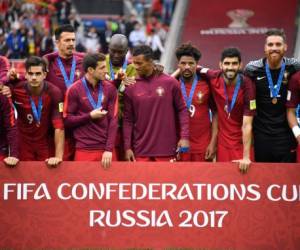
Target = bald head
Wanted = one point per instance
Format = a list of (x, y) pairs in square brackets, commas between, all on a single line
[(119, 40), (117, 49)]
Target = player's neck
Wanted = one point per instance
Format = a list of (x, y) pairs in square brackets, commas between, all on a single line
[(92, 81), (36, 91), (64, 56), (188, 80), (148, 73), (119, 64), (230, 82), (274, 64)]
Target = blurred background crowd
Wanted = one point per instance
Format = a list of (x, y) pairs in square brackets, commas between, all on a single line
[(26, 26)]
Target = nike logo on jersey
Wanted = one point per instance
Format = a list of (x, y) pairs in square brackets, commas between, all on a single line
[(18, 103), (260, 77)]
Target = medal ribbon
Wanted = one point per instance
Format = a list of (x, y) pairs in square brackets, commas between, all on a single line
[(235, 94), (91, 99), (37, 111), (188, 100), (298, 114), (275, 89), (67, 81), (111, 70)]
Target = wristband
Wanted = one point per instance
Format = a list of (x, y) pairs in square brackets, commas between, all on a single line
[(296, 131), (185, 149)]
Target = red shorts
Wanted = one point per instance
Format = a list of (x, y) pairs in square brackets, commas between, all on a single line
[(34, 152), (69, 148), (91, 155), (2, 157), (298, 153), (192, 157), (160, 158), (229, 154)]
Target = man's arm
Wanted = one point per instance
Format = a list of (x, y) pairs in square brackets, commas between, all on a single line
[(293, 99), (71, 106), (59, 140), (11, 131), (128, 126), (292, 119), (4, 67), (112, 127), (212, 146), (183, 116), (247, 135)]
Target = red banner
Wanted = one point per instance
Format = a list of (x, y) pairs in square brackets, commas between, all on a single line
[(214, 25), (150, 205)]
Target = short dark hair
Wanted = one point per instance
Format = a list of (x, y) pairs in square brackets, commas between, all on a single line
[(276, 32), (143, 50), (91, 60), (35, 61), (231, 52), (63, 28), (187, 49)]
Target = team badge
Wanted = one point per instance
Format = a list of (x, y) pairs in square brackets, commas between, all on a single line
[(77, 73), (61, 107), (285, 77), (160, 91), (200, 97)]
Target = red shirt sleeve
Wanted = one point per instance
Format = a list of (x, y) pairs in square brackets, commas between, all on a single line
[(248, 86), (4, 67), (181, 110), (293, 95), (128, 119), (10, 125), (71, 118), (57, 108), (112, 118)]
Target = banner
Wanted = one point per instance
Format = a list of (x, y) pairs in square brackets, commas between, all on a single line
[(149, 205), (215, 25)]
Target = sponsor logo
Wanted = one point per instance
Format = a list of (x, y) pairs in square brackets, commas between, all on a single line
[(252, 104), (260, 78), (237, 26)]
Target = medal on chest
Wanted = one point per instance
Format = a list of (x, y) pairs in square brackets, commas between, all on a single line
[(188, 99), (274, 89), (230, 105)]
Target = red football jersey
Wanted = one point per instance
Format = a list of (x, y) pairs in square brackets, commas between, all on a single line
[(230, 127), (200, 125), (30, 131)]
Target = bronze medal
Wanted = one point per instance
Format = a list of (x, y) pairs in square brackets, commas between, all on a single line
[(274, 100)]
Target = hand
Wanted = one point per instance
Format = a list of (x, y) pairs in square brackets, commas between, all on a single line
[(176, 73), (183, 143), (244, 164), (98, 113), (158, 69), (6, 91), (12, 74), (53, 161), (106, 159), (129, 155), (127, 81), (210, 151), (120, 75), (11, 161)]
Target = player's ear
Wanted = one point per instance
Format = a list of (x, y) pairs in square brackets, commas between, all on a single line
[(220, 65), (241, 65)]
